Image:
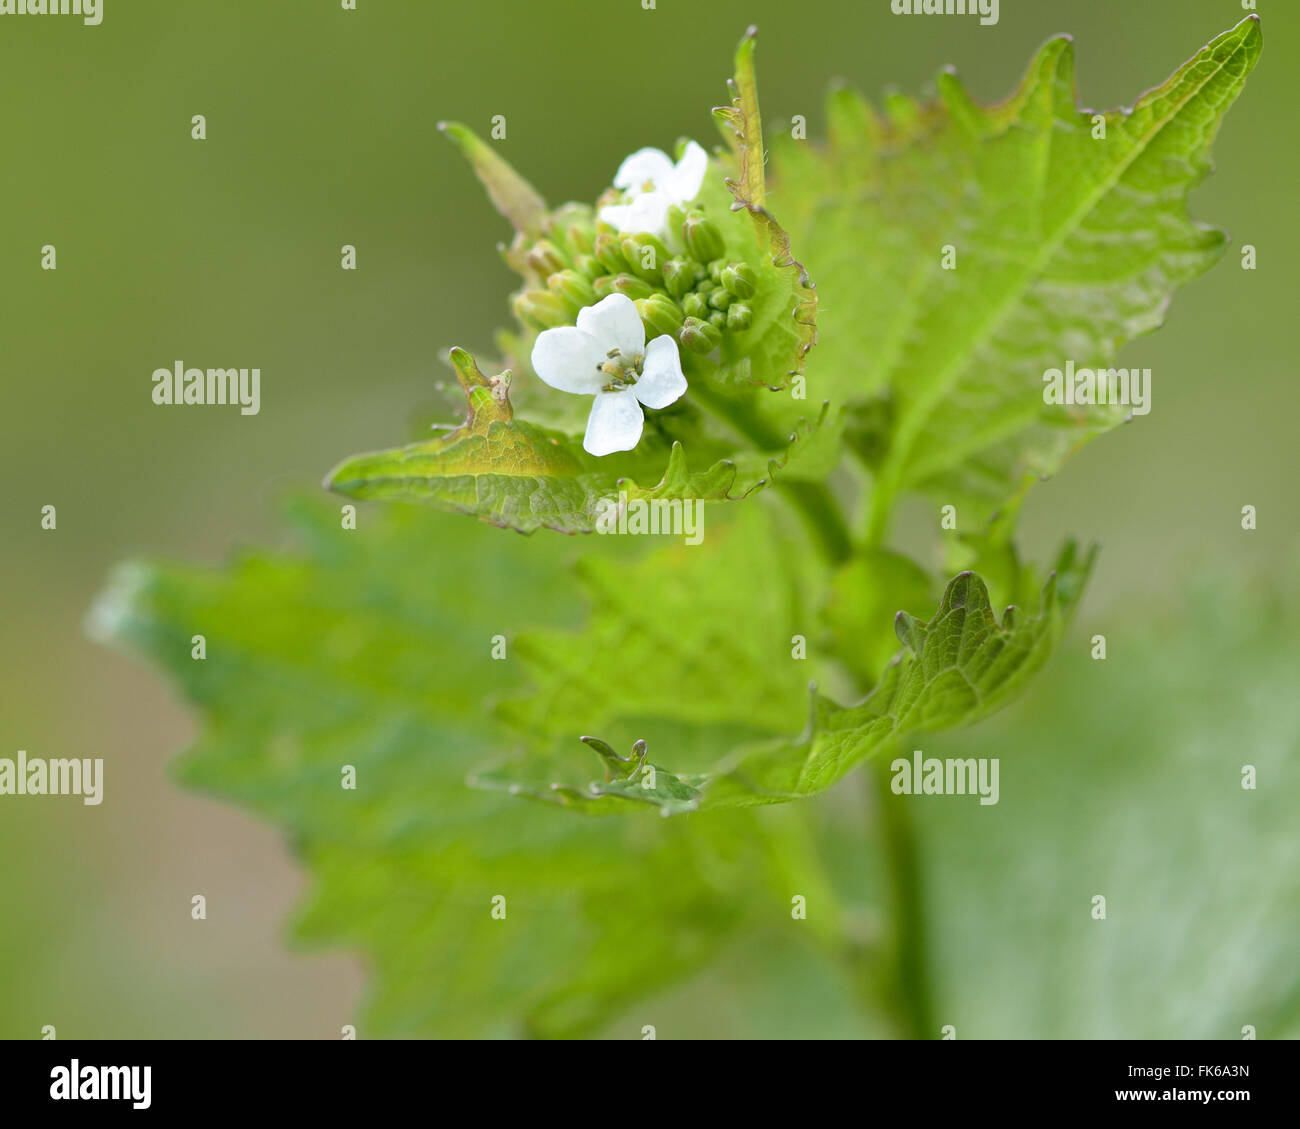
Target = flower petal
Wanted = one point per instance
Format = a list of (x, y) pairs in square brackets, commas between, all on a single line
[(652, 166), (569, 359), (661, 380), (614, 424), (613, 323), (688, 175), (646, 212)]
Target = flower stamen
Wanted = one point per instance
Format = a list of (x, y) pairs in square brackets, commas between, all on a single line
[(622, 374)]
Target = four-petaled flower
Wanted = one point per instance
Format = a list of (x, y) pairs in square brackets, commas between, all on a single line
[(605, 355), (652, 184)]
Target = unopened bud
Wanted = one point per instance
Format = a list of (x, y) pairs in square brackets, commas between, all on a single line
[(546, 258), (702, 237), (542, 310), (715, 270), (699, 336), (719, 319), (608, 250), (645, 255), (574, 288), (589, 266), (632, 286), (679, 276), (581, 237), (740, 279), (695, 305), (660, 314), (739, 316), (721, 298)]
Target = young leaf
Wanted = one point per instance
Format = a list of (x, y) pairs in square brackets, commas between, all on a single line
[(775, 348), (512, 473), (744, 126), (962, 251), (513, 196), (954, 670)]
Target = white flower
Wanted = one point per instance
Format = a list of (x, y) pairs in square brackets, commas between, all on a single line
[(652, 184), (605, 355)]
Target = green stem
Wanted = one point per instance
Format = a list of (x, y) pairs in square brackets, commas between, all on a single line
[(822, 517), (880, 509), (912, 991)]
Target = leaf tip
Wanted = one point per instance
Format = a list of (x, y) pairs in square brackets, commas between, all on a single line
[(509, 192)]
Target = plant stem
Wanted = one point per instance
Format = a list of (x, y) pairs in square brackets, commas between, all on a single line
[(898, 832), (817, 506), (880, 510), (877, 518)]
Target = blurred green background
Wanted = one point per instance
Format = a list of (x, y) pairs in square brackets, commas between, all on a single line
[(321, 132)]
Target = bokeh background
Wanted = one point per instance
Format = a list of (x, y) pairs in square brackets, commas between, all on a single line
[(321, 132)]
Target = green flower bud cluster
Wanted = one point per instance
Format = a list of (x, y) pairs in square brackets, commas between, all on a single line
[(694, 294)]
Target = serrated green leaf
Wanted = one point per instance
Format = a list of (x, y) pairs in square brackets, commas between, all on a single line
[(373, 649), (744, 127), (693, 633), (774, 349), (1067, 245), (512, 473), (956, 669)]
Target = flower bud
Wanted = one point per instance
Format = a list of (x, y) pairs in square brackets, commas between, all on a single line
[(645, 255), (607, 249), (719, 319), (660, 315), (739, 316), (632, 286), (566, 221), (546, 258), (702, 237), (574, 288), (721, 298), (699, 336), (589, 266), (695, 305), (679, 276), (740, 279), (676, 217), (542, 310), (580, 237), (715, 271)]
